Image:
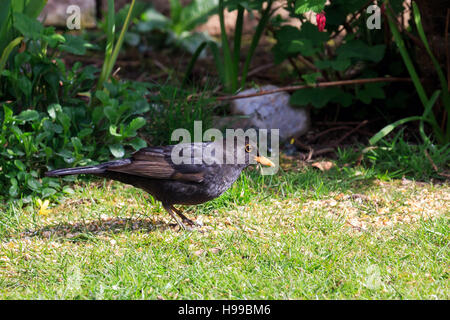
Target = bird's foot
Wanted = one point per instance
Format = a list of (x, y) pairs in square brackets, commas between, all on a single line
[(192, 222), (185, 220), (186, 227)]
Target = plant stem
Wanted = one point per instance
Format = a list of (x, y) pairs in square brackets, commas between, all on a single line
[(317, 85), (256, 37), (230, 76)]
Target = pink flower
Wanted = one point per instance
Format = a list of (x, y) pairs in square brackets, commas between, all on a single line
[(321, 21)]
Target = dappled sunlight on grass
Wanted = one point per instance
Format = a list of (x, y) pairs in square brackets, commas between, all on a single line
[(300, 234)]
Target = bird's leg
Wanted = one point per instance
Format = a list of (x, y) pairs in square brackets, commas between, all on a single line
[(170, 211), (185, 219)]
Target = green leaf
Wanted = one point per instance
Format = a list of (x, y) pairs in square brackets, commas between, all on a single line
[(29, 27), (47, 192), (54, 39), (303, 6), (74, 44), (311, 78), (138, 143), (64, 119), (338, 65), (292, 41), (97, 114), (386, 130), (343, 98), (194, 14), (19, 164), (371, 91), (85, 132), (13, 191), (113, 131), (359, 50), (135, 125), (117, 150), (77, 145), (152, 20), (303, 46), (34, 184), (103, 96), (28, 115), (53, 109), (318, 97), (7, 51), (111, 113), (34, 7), (68, 190)]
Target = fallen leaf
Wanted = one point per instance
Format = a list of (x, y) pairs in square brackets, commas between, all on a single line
[(215, 250), (323, 165), (199, 252)]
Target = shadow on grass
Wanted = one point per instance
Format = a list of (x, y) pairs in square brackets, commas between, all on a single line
[(91, 230), (296, 181), (250, 187)]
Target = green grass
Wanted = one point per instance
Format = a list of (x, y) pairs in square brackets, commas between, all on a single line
[(396, 158), (301, 234)]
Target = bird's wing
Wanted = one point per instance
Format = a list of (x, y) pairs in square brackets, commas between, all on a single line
[(156, 163)]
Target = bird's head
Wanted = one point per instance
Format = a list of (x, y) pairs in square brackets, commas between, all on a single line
[(246, 152)]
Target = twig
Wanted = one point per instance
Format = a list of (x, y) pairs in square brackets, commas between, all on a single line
[(350, 132), (328, 131), (292, 62), (401, 27), (308, 63), (356, 227), (310, 154), (351, 20), (431, 161), (260, 68), (116, 72), (323, 151), (311, 65), (436, 169), (317, 85), (340, 123)]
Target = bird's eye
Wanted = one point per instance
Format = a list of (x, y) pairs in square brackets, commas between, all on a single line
[(248, 148)]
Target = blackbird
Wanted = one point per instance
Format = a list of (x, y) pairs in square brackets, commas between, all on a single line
[(208, 170)]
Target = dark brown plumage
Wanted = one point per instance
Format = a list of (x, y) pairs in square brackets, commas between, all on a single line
[(153, 169)]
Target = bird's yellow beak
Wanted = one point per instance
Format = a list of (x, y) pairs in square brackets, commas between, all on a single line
[(264, 161)]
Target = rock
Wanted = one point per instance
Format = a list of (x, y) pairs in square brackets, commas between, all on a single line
[(55, 12), (271, 111)]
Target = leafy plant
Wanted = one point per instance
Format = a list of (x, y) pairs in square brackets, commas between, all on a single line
[(44, 121), (322, 58), (8, 35), (37, 77), (442, 135), (228, 62), (157, 30), (118, 118), (68, 134), (113, 48), (30, 8), (401, 159), (173, 108)]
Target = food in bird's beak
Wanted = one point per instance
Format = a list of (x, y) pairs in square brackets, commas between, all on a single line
[(264, 161)]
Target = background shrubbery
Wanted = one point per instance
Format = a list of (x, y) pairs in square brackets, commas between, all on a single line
[(56, 114)]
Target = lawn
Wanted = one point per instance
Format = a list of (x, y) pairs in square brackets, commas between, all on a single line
[(303, 234)]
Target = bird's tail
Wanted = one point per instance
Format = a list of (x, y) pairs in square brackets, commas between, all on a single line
[(100, 168)]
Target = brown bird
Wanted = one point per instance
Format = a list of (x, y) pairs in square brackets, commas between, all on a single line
[(211, 169)]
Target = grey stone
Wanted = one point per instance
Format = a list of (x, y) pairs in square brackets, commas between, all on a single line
[(271, 111), (54, 12)]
